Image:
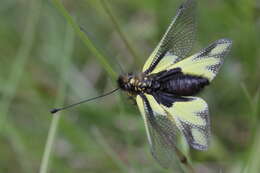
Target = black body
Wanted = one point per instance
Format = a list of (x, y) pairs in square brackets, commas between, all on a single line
[(177, 83), (166, 86)]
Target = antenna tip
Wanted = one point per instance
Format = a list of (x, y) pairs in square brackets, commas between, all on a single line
[(53, 111)]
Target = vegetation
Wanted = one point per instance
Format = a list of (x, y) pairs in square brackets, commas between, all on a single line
[(58, 52)]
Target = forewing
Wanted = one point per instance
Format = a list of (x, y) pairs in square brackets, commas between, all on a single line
[(178, 39), (192, 119), (160, 131), (206, 63)]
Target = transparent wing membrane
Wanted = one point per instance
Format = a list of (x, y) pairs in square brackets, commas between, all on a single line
[(178, 39), (160, 131)]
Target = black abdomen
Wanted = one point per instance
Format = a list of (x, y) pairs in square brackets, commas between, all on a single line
[(184, 85)]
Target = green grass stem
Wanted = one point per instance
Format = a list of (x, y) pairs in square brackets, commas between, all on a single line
[(118, 29), (17, 68), (101, 59), (10, 86), (68, 48), (250, 164)]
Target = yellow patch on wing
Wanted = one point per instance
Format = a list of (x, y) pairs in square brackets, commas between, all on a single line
[(186, 111), (199, 67), (220, 48), (165, 62), (151, 58), (142, 109), (206, 63), (199, 137), (157, 109), (192, 119)]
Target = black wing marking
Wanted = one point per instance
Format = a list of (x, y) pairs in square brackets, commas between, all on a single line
[(168, 99), (191, 116)]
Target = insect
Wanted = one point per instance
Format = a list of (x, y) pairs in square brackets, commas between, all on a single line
[(166, 89)]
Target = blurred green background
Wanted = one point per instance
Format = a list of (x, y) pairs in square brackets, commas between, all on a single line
[(47, 63)]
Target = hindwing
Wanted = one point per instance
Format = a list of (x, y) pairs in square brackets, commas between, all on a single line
[(189, 114), (192, 119), (206, 63)]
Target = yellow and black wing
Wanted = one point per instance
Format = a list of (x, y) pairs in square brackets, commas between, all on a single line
[(178, 39), (206, 63), (161, 131), (189, 115)]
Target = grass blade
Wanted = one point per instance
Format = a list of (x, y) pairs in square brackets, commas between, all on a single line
[(101, 59), (119, 31), (251, 161), (59, 101), (21, 59)]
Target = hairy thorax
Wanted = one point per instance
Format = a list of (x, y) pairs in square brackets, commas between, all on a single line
[(135, 83)]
